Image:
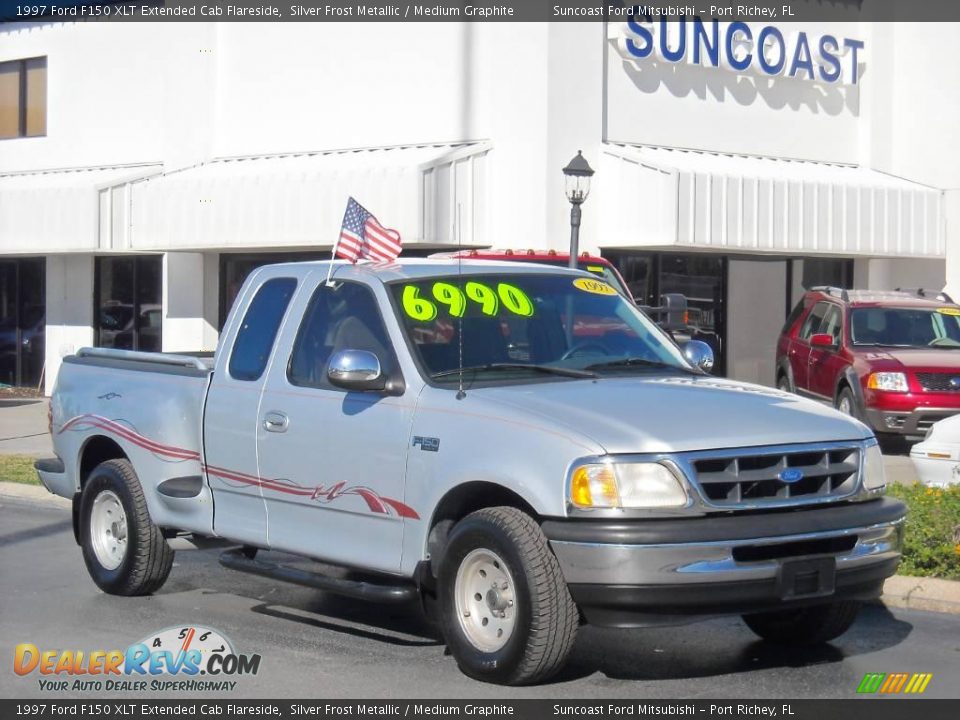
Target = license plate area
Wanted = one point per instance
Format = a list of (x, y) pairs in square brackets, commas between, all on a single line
[(811, 577)]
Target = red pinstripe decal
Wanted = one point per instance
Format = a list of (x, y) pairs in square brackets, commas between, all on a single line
[(375, 502)]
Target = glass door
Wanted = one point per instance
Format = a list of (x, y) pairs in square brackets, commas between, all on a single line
[(128, 308), (700, 278), (22, 321)]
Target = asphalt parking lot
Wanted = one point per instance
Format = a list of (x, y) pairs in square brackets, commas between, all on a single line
[(319, 646)]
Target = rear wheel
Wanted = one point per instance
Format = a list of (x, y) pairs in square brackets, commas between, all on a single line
[(505, 609), (125, 553), (804, 626)]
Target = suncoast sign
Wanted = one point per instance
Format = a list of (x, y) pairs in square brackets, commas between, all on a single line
[(742, 48)]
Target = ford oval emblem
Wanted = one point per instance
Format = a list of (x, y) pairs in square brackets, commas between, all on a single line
[(791, 475), (955, 382)]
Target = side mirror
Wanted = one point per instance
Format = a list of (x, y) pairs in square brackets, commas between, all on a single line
[(822, 340), (356, 370), (699, 354)]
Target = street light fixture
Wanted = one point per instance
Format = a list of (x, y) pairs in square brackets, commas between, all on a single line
[(577, 174)]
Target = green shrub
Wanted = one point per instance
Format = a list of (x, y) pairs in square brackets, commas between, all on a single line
[(932, 532)]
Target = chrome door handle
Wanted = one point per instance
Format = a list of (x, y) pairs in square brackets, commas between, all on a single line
[(276, 422)]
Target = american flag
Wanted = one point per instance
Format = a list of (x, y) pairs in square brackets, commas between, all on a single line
[(362, 236)]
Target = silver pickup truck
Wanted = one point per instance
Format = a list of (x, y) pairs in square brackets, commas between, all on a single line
[(518, 447)]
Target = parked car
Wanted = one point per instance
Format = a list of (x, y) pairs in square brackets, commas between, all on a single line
[(889, 359), (435, 426), (937, 458)]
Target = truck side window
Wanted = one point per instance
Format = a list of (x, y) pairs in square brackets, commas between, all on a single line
[(342, 317), (254, 342), (812, 324)]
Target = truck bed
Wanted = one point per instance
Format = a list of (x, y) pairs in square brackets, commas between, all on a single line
[(151, 406)]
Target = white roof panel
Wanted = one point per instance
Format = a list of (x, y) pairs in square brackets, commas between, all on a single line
[(741, 203)]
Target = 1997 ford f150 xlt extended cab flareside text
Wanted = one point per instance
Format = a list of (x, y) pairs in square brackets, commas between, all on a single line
[(466, 435)]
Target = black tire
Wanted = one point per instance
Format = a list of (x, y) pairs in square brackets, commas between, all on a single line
[(546, 620), (148, 558), (846, 396), (783, 384), (805, 626)]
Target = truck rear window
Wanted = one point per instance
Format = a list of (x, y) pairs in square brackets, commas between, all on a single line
[(254, 343)]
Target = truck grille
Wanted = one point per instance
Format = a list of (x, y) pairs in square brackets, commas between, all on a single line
[(747, 478), (939, 382)]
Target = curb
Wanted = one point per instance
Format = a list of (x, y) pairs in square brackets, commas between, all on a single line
[(33, 494), (922, 593), (900, 591)]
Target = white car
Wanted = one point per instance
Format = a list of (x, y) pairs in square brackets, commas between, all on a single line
[(937, 459)]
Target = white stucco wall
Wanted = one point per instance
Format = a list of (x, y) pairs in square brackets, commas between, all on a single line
[(69, 310)]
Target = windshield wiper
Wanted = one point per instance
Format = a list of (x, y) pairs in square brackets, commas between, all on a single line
[(627, 362), (548, 369)]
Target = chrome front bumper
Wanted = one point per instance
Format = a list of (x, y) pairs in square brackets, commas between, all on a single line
[(711, 562), (626, 576)]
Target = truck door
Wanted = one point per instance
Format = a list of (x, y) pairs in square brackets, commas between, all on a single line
[(233, 411), (334, 460)]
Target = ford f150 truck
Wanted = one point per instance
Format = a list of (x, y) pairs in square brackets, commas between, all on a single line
[(442, 431)]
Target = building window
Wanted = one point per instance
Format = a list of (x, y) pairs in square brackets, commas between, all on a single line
[(701, 279), (832, 272), (128, 309), (236, 267), (23, 98), (22, 321)]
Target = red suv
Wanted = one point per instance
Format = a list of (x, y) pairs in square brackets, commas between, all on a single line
[(891, 359)]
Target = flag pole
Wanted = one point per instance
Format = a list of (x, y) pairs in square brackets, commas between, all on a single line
[(333, 257), (336, 245)]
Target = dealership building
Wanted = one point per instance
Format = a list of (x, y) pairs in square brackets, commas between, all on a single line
[(147, 168)]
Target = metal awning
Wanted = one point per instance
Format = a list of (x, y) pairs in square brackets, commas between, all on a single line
[(57, 210), (430, 193), (659, 197)]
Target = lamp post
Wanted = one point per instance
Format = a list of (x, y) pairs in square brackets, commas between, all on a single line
[(577, 174)]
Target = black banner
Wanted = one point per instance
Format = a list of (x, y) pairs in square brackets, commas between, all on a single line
[(479, 10), (875, 709)]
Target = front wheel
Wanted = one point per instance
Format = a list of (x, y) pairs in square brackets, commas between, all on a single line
[(847, 404), (505, 610), (804, 626), (125, 553)]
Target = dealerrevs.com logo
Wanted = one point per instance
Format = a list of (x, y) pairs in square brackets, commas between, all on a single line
[(187, 658)]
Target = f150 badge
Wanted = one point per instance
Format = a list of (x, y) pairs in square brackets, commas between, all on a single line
[(427, 444)]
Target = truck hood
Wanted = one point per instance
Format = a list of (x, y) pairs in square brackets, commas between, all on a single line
[(677, 414), (910, 358)]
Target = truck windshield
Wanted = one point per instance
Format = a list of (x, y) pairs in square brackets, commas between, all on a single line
[(906, 327), (517, 326)]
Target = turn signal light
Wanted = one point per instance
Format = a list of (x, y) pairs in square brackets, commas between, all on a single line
[(594, 486)]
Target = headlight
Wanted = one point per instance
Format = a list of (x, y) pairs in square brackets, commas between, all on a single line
[(626, 485), (889, 381), (874, 475)]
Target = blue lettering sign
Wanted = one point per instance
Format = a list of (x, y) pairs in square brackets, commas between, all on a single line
[(742, 47), (706, 43)]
